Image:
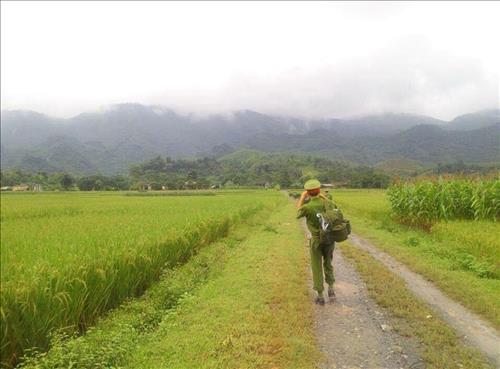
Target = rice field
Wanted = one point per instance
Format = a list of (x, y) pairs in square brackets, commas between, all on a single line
[(66, 258)]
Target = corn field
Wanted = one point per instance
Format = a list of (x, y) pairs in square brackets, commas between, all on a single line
[(68, 258), (426, 202)]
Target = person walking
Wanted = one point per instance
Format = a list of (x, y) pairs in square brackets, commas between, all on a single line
[(321, 254)]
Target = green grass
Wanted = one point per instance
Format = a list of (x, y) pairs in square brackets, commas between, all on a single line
[(241, 302), (172, 193), (460, 257), (441, 347), (67, 258), (256, 314)]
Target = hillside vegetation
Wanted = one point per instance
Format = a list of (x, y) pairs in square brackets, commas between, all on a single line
[(254, 168)]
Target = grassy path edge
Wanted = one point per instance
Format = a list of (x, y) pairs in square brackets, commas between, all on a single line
[(119, 338), (442, 347), (422, 252), (256, 313), (479, 333), (117, 332)]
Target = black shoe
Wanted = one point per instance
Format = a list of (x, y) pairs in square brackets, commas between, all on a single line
[(320, 300), (331, 293)]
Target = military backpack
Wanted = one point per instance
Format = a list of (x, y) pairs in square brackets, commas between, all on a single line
[(333, 226)]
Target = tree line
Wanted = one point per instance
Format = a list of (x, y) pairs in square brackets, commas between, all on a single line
[(63, 181), (240, 169)]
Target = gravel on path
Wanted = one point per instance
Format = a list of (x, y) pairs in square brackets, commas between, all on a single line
[(353, 332)]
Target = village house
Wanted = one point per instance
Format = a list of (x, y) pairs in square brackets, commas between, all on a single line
[(21, 187)]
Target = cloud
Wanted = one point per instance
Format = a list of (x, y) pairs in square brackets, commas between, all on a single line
[(408, 76), (309, 59)]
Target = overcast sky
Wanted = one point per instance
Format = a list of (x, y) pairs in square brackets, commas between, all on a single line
[(321, 59)]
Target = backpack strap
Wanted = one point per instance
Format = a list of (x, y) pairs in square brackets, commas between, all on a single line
[(327, 203)]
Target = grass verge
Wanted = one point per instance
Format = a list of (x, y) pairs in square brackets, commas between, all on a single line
[(449, 256), (238, 303), (442, 348), (255, 314)]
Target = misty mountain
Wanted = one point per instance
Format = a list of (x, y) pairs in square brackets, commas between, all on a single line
[(476, 120), (110, 141)]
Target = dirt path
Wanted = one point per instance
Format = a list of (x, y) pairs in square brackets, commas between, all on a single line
[(471, 327), (353, 332)]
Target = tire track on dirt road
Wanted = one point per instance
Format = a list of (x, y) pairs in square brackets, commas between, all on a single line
[(475, 331)]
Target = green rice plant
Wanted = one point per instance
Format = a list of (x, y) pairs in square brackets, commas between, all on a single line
[(425, 202), (68, 258), (172, 193)]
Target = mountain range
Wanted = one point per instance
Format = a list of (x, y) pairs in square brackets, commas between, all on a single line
[(109, 141)]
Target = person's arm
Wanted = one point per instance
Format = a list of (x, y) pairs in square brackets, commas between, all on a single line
[(303, 196)]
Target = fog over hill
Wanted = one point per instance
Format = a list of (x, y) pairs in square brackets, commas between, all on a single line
[(109, 141)]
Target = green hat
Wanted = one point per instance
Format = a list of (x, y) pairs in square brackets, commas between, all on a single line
[(312, 184)]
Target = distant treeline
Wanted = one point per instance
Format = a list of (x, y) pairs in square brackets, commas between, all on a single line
[(461, 168), (252, 168), (244, 168), (63, 181)]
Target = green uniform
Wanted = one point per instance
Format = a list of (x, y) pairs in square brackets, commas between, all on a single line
[(321, 254)]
